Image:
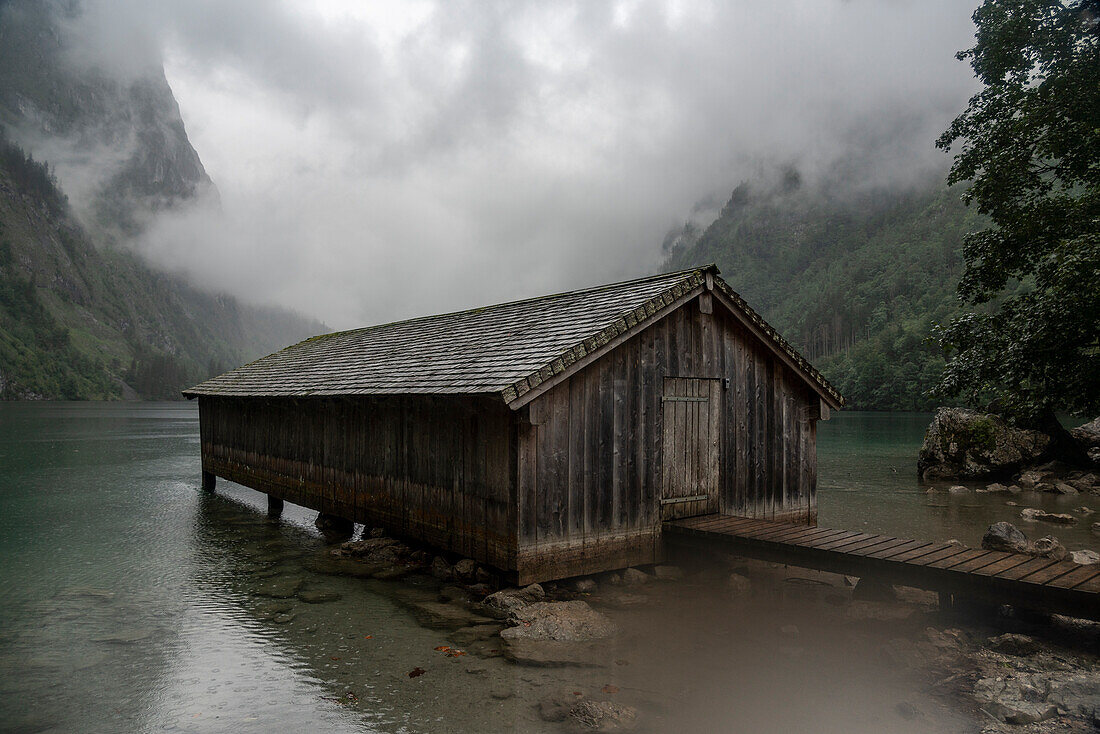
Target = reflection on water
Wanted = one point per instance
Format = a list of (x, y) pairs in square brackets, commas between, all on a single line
[(133, 602)]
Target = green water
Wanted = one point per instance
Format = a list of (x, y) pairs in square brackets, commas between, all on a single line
[(133, 602), (867, 481)]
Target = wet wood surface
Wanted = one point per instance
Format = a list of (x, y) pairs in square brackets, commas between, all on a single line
[(992, 576)]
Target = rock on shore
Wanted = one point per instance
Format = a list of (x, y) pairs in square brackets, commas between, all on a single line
[(562, 621), (966, 444)]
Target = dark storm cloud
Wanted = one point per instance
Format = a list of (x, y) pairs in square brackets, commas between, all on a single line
[(378, 161)]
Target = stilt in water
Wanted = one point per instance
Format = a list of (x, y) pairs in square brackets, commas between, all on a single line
[(947, 601), (274, 506), (208, 481)]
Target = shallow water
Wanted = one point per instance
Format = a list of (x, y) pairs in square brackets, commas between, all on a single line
[(133, 602)]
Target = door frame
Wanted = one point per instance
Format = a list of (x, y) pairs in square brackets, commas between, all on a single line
[(707, 474)]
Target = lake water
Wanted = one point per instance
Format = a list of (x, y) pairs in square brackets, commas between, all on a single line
[(132, 602)]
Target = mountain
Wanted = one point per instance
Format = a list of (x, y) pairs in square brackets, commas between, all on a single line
[(115, 135), (855, 278), (81, 315)]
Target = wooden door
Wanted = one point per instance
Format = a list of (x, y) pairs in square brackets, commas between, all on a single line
[(692, 414)]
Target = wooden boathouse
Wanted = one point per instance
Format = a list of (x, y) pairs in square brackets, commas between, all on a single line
[(548, 437)]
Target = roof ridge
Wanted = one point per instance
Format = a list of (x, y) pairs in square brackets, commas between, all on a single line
[(606, 286)]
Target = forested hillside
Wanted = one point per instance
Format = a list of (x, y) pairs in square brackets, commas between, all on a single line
[(82, 315), (854, 279), (77, 322)]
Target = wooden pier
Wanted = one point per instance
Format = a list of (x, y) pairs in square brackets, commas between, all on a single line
[(955, 571)]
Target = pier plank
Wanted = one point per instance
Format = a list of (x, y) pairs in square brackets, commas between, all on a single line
[(1075, 577), (995, 576), (1050, 573), (953, 561), (909, 545), (985, 560)]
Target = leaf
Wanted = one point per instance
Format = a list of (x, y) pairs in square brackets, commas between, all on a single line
[(417, 672), (368, 637), (442, 648), (610, 689)]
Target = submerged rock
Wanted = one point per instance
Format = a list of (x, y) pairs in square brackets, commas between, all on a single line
[(584, 585), (279, 588), (550, 654), (635, 577), (318, 597), (1004, 536), (561, 621), (668, 573), (374, 550), (603, 715), (965, 444), (553, 710), (738, 585), (1035, 514)]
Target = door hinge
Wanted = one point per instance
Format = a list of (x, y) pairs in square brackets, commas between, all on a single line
[(674, 500)]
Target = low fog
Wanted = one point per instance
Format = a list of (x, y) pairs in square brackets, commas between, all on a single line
[(376, 162)]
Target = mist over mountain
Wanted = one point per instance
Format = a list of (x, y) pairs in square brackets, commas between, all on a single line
[(855, 279), (81, 314), (117, 143), (516, 148)]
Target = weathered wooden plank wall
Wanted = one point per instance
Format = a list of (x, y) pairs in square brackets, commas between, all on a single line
[(439, 469), (590, 449)]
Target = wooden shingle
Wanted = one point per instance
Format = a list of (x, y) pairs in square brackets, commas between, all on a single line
[(507, 349)]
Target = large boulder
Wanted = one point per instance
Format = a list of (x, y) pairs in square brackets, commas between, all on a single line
[(966, 444), (561, 621), (1016, 698), (1006, 537), (506, 601), (1088, 435)]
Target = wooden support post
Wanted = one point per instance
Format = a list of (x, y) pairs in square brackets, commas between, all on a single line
[(947, 601), (209, 480), (274, 506)]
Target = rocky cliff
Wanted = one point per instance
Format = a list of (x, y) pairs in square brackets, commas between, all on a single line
[(86, 159)]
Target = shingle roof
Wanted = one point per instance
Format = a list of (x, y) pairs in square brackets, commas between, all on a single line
[(507, 349)]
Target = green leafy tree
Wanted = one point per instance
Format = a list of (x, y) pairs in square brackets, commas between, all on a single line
[(1028, 145)]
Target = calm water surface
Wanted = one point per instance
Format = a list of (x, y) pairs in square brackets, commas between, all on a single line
[(133, 602)]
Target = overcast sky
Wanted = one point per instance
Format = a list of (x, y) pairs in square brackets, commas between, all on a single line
[(383, 160)]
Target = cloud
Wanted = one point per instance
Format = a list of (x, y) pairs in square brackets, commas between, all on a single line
[(379, 161)]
